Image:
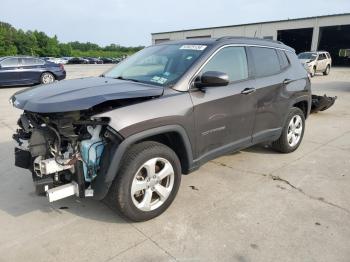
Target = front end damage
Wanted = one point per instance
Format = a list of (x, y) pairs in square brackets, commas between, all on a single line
[(63, 151), (61, 141)]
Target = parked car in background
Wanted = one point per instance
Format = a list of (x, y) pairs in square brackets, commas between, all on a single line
[(315, 62), (78, 60), (117, 60), (128, 135), (93, 60), (107, 60), (25, 70), (55, 60)]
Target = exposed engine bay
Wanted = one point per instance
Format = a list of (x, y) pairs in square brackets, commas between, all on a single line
[(62, 150)]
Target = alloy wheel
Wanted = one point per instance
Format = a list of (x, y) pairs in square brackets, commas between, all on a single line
[(47, 78), (152, 184), (295, 129)]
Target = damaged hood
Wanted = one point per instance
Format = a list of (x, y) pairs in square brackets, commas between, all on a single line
[(80, 94), (304, 61)]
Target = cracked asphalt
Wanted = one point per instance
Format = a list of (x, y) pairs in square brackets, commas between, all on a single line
[(253, 205)]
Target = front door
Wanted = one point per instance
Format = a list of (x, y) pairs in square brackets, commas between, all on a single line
[(9, 71), (224, 115)]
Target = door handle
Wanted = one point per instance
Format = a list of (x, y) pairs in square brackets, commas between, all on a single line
[(287, 81), (248, 90)]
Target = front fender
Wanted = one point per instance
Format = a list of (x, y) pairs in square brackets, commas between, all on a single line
[(103, 182)]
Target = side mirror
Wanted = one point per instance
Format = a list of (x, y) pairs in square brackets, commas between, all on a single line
[(212, 78)]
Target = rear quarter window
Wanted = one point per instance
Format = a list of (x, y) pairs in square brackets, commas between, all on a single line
[(265, 61), (284, 62)]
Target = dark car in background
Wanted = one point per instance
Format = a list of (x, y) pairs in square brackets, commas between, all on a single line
[(93, 60), (26, 70), (107, 60), (78, 60)]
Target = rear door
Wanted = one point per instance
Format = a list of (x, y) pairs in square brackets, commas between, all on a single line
[(269, 80), (9, 71), (223, 115), (31, 69)]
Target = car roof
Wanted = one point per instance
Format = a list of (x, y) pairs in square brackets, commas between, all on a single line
[(231, 40), (18, 56)]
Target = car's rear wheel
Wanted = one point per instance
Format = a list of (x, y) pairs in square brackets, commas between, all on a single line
[(147, 183), (327, 71), (47, 78), (292, 132)]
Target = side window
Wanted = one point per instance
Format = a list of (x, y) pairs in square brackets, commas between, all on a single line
[(32, 61), (284, 62), (321, 57), (28, 61), (265, 61), (10, 62), (229, 60)]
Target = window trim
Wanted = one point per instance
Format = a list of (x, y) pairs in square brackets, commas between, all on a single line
[(251, 66)]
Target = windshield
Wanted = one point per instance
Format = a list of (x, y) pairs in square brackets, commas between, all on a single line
[(311, 56), (161, 65)]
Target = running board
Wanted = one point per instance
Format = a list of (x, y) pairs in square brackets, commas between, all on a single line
[(66, 190)]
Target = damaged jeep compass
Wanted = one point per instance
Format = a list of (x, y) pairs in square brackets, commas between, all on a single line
[(127, 136)]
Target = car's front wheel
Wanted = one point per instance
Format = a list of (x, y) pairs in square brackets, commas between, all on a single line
[(313, 72), (292, 132), (147, 183), (47, 78)]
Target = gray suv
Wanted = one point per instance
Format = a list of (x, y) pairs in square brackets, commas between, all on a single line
[(127, 136)]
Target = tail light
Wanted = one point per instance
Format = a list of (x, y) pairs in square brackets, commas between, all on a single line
[(61, 66)]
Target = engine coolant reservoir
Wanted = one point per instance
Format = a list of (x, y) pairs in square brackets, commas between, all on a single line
[(91, 151)]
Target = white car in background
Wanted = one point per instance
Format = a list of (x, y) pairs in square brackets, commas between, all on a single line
[(57, 60), (315, 62)]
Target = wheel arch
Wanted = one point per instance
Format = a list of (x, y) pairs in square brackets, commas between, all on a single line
[(303, 106), (163, 134)]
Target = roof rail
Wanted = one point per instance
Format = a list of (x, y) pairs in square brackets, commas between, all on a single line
[(246, 37)]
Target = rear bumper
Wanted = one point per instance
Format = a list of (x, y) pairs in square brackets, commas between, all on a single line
[(60, 75)]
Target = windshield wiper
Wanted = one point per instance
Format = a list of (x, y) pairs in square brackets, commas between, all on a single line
[(127, 79)]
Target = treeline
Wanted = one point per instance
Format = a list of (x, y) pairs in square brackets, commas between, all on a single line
[(18, 42)]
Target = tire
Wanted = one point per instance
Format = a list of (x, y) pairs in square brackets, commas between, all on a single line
[(313, 72), (328, 69), (291, 137), (47, 78), (137, 163)]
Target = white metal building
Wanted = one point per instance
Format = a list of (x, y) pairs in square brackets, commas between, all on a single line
[(330, 33)]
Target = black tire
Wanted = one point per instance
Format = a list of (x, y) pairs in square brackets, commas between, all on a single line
[(282, 145), (47, 75), (119, 196), (313, 72), (328, 69)]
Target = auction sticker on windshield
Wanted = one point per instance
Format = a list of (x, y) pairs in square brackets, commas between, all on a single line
[(193, 47)]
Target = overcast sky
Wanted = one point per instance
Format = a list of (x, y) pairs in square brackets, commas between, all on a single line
[(130, 22)]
